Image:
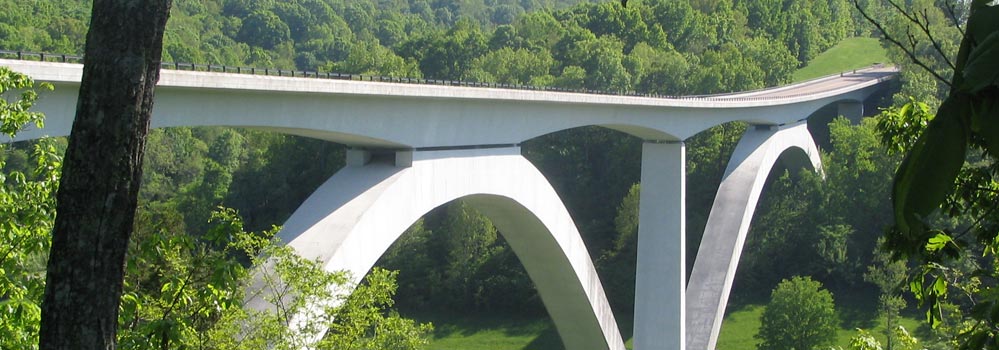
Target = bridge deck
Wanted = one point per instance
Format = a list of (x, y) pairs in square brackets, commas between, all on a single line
[(403, 115)]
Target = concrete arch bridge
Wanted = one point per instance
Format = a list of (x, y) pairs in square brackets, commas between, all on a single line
[(417, 146)]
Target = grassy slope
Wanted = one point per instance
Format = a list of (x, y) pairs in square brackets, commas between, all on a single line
[(482, 332), (849, 54)]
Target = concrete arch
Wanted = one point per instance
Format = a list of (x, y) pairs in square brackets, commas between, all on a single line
[(728, 223), (351, 220)]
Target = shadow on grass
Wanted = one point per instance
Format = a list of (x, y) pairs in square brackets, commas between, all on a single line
[(448, 324), (548, 339), (857, 310), (539, 326)]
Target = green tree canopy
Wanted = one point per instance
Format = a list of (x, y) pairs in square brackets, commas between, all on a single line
[(27, 210), (800, 316)]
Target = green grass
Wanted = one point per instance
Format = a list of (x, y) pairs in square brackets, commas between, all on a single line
[(740, 327), (490, 332), (851, 53), (495, 332), (505, 332)]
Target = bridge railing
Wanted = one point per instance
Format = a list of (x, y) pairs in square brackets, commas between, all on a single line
[(63, 58), (799, 83)]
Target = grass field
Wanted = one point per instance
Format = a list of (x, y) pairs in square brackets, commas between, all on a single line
[(740, 327), (497, 332), (491, 332), (849, 54)]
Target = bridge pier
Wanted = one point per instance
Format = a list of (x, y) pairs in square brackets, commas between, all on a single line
[(661, 268), (852, 110), (728, 222)]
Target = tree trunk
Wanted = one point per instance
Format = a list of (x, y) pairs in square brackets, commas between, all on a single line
[(101, 174)]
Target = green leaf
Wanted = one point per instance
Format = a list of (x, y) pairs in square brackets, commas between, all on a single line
[(940, 287), (985, 114), (982, 21), (976, 341), (928, 171), (938, 242), (982, 69), (916, 286)]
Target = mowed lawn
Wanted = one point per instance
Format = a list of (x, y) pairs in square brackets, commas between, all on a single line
[(477, 331), (482, 332), (496, 332), (851, 53), (740, 327)]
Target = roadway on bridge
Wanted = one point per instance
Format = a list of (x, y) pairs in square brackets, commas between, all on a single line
[(816, 86)]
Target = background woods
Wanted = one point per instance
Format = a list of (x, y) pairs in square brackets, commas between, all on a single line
[(454, 261)]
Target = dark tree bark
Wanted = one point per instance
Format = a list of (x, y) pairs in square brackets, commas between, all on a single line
[(101, 175)]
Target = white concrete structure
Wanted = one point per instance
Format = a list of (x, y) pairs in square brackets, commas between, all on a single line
[(661, 265), (401, 116), (433, 131), (728, 222), (355, 216)]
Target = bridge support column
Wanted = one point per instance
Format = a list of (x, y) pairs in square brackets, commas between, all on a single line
[(728, 223), (661, 268), (852, 110)]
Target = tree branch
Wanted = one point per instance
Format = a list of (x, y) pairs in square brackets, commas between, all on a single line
[(910, 53), (952, 13), (936, 44), (924, 26)]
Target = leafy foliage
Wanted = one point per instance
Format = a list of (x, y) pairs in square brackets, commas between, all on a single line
[(800, 315), (182, 293), (866, 341), (27, 211), (949, 165)]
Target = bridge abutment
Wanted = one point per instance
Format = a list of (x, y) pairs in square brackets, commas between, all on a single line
[(660, 272)]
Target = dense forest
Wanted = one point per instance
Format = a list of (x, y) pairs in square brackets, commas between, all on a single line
[(454, 260)]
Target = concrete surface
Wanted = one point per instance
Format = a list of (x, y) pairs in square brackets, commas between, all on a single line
[(728, 222)]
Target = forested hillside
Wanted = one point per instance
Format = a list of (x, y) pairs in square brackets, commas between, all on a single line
[(454, 259)]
